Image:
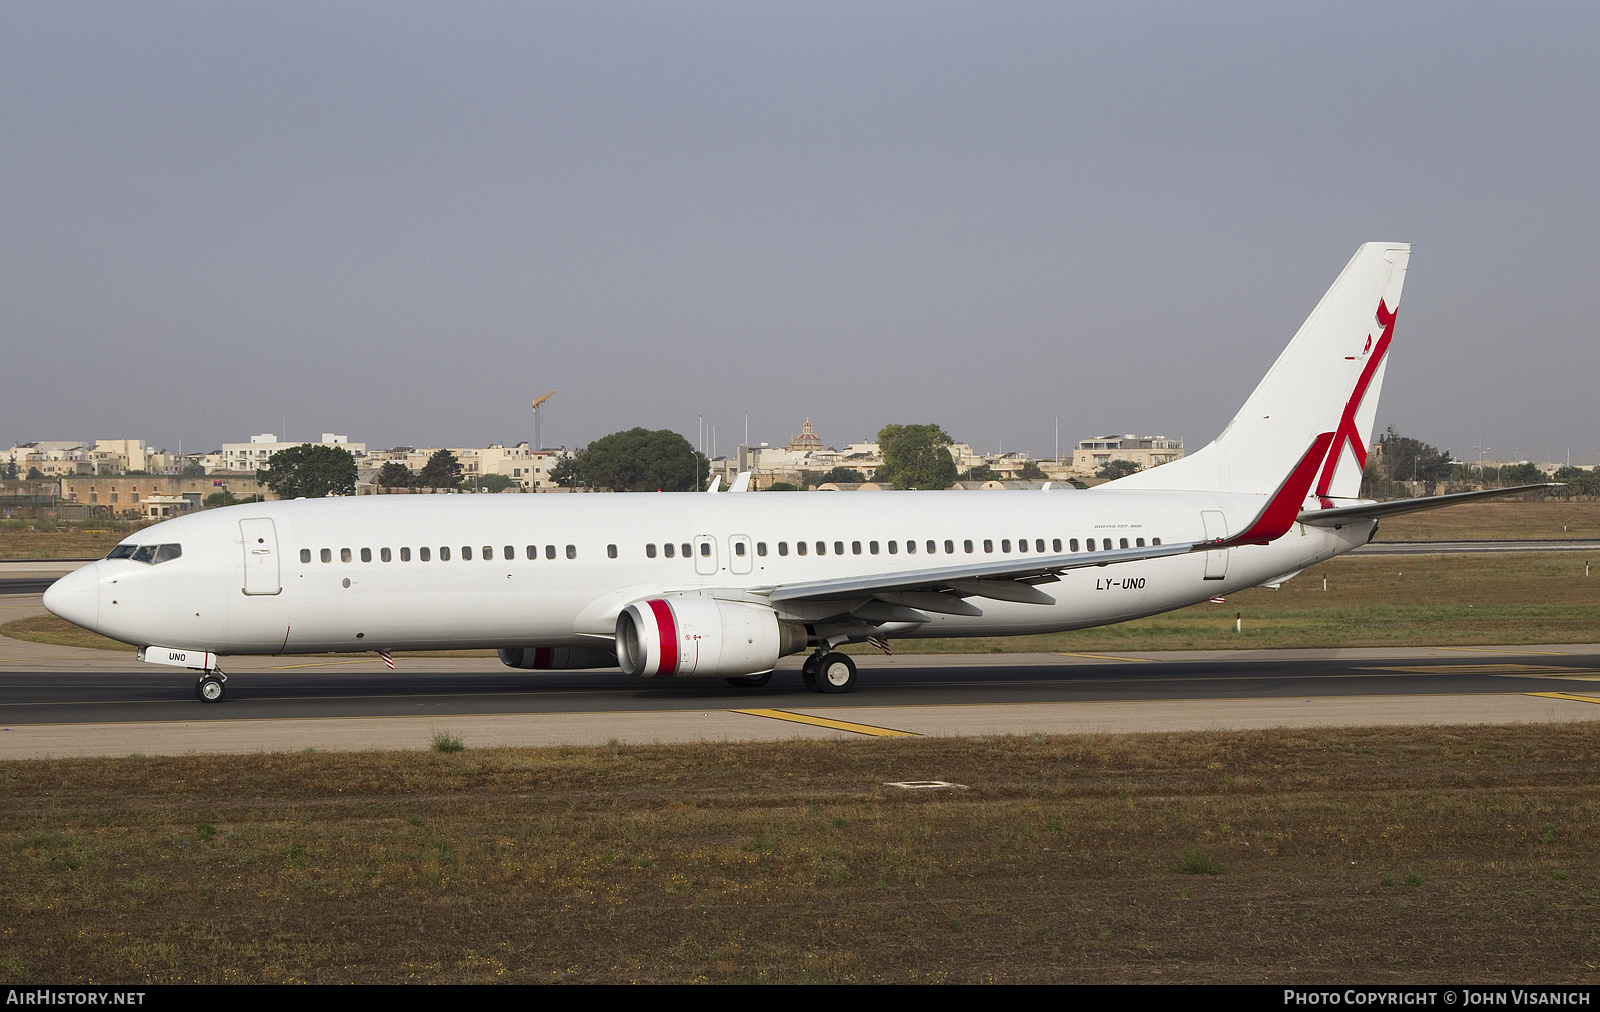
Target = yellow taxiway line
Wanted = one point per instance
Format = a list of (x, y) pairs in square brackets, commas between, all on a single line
[(1108, 657), (1566, 695), (837, 725)]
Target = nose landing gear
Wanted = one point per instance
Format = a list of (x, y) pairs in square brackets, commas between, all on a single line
[(210, 687)]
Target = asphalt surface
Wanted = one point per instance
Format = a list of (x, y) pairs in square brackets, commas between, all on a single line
[(32, 697)]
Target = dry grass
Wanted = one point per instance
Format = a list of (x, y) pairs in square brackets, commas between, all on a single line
[(60, 632), (1380, 855)]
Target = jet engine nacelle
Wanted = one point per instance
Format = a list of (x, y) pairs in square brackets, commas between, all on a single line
[(557, 658), (681, 635)]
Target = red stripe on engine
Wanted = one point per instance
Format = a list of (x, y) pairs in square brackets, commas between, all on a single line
[(667, 629)]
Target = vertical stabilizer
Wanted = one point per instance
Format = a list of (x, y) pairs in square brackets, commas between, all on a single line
[(1326, 381)]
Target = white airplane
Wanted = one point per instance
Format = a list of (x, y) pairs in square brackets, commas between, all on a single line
[(724, 584)]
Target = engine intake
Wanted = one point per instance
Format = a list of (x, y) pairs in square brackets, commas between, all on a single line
[(680, 635)]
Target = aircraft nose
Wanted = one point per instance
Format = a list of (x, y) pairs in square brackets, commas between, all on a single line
[(76, 597)]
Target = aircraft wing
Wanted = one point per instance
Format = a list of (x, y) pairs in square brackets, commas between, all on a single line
[(1002, 579), (1378, 510)]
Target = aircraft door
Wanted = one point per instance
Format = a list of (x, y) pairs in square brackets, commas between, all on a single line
[(705, 555), (1216, 529), (740, 554), (260, 557)]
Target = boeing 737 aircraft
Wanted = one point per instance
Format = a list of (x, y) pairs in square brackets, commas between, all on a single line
[(724, 584)]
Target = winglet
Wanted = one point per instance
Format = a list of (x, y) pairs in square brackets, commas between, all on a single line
[(741, 483), (716, 484)]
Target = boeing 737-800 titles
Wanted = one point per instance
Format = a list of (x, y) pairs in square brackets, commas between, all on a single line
[(724, 584)]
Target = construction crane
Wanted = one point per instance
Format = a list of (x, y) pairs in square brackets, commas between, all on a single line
[(537, 443)]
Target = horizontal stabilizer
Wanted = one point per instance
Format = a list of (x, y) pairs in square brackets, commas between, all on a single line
[(1378, 510)]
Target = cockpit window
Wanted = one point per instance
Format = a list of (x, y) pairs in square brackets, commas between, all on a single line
[(150, 555)]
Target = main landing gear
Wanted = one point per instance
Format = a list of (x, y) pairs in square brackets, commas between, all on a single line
[(829, 671), (751, 681), (210, 687)]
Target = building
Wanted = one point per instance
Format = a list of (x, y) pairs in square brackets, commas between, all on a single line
[(131, 494), (254, 455), (1146, 451)]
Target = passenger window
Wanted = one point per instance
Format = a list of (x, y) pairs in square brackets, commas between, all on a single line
[(344, 555), (305, 555), (650, 551), (966, 546), (1055, 546), (572, 551), (1106, 544), (549, 551), (800, 548), (783, 548), (611, 551), (705, 548), (1022, 544), (838, 548), (872, 546), (761, 549), (488, 553), (466, 553), (894, 548), (383, 555), (988, 546), (444, 553), (510, 553), (932, 547), (822, 548), (405, 555), (1038, 544), (738, 548), (166, 553), (1139, 542), (1155, 541), (1073, 544), (532, 551), (686, 552), (911, 548), (424, 554), (669, 550), (1122, 543), (855, 548)]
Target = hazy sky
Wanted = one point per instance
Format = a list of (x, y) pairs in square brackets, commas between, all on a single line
[(404, 221)]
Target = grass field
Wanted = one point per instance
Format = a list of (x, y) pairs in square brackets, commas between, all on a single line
[(1395, 854), (1374, 601)]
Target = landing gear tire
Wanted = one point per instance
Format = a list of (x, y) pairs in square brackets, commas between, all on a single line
[(808, 672), (209, 689), (751, 681), (835, 673)]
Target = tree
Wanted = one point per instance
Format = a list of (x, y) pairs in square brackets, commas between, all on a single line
[(394, 474), (565, 471), (980, 472), (309, 471), (34, 475), (1031, 471), (848, 474), (1521, 474), (1579, 481), (783, 486), (1401, 458), (495, 482), (640, 460), (442, 470), (1114, 469), (916, 456), (193, 469), (9, 469)]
